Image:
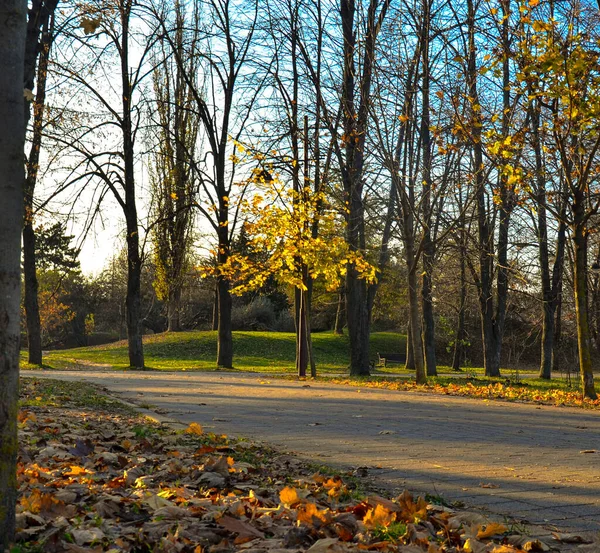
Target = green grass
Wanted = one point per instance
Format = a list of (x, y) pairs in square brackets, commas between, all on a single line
[(253, 351), (43, 392)]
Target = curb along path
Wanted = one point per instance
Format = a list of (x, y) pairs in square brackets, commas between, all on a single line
[(535, 463)]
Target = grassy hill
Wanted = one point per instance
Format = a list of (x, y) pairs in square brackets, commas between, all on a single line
[(253, 351)]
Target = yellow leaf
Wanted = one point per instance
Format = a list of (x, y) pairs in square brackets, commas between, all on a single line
[(194, 428), (490, 530), (77, 471), (308, 510), (379, 516), (289, 496)]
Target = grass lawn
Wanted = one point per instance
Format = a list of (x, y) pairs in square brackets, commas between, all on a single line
[(253, 351), (274, 352)]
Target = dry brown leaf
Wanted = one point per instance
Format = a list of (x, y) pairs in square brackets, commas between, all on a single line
[(570, 538), (375, 500), (325, 545), (239, 527)]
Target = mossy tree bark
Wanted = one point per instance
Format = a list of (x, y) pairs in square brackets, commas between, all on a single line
[(12, 143)]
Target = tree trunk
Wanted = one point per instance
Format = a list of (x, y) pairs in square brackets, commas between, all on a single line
[(41, 16), (428, 245), (338, 327), (301, 333), (485, 234), (12, 144), (548, 305), (133, 298), (357, 315), (557, 328), (224, 334), (215, 313), (581, 304), (415, 323), (32, 309), (173, 309), (459, 346), (410, 357)]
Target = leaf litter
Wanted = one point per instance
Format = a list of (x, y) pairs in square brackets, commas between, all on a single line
[(93, 481)]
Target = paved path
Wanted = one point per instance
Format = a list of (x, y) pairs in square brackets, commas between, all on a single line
[(517, 459)]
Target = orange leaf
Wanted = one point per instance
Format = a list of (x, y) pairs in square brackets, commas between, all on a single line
[(379, 516), (490, 530), (289, 496), (77, 471), (194, 428), (308, 512)]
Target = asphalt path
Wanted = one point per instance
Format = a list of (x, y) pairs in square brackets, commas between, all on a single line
[(539, 464)]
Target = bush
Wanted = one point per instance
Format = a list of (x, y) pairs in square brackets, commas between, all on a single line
[(259, 314)]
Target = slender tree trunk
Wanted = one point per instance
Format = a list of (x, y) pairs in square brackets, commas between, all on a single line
[(215, 313), (581, 303), (485, 235), (12, 144), (133, 299), (410, 356), (338, 327), (415, 323), (557, 328), (40, 17), (428, 245), (301, 334), (548, 305), (459, 346), (32, 309)]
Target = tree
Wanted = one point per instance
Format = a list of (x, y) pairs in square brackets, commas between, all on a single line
[(40, 35), (563, 73), (104, 139), (173, 183), (355, 110), (280, 225), (222, 48), (12, 143)]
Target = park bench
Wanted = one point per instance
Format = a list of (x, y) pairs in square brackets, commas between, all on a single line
[(385, 358)]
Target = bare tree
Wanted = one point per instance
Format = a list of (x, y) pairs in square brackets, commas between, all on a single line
[(223, 102), (40, 34), (116, 39)]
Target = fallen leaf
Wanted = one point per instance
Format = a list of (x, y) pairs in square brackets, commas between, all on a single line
[(195, 429), (289, 496), (570, 538), (323, 545), (490, 530), (239, 527)]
